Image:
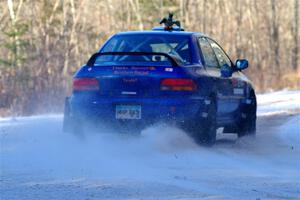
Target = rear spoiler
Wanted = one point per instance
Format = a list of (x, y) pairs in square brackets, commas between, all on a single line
[(174, 60)]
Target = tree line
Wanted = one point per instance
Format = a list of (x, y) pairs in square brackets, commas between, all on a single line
[(44, 42)]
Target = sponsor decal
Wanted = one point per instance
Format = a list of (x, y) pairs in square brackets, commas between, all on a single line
[(132, 70), (125, 72), (128, 93), (130, 80)]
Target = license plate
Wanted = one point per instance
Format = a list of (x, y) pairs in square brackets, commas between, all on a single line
[(128, 112)]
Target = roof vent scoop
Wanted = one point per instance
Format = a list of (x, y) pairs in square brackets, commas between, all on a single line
[(168, 23)]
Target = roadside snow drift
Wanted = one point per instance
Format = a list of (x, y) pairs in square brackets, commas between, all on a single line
[(39, 161)]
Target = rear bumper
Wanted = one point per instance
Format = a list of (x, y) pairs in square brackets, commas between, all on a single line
[(152, 109)]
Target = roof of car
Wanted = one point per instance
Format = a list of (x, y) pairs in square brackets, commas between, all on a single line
[(161, 32)]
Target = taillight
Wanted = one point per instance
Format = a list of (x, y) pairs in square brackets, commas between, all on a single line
[(178, 84), (85, 84)]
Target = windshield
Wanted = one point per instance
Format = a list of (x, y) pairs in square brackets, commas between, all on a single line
[(177, 46)]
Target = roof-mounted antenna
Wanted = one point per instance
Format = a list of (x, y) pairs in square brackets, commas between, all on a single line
[(168, 23)]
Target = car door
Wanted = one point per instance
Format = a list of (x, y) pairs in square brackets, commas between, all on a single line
[(230, 87)]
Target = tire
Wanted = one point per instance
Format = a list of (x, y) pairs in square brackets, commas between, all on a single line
[(247, 122), (204, 128)]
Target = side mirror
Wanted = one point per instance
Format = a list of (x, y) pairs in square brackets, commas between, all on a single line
[(241, 64), (226, 71)]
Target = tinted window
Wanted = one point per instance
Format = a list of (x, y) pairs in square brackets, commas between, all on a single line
[(208, 53), (176, 45), (221, 55)]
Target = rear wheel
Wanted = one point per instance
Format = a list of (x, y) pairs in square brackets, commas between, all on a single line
[(247, 122), (203, 129)]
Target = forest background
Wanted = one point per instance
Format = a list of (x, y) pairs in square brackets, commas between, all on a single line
[(42, 42)]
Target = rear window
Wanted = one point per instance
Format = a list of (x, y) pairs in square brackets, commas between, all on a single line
[(177, 46)]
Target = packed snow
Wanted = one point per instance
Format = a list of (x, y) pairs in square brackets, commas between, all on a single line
[(279, 102), (39, 161)]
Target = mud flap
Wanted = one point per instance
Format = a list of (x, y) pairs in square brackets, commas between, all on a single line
[(247, 121)]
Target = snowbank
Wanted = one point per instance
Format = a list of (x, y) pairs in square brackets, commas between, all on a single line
[(290, 132), (278, 102)]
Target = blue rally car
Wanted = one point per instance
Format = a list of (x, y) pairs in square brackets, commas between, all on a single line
[(141, 77)]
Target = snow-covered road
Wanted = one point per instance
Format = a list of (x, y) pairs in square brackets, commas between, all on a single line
[(39, 161)]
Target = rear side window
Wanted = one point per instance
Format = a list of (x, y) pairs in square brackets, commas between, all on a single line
[(221, 55), (208, 53)]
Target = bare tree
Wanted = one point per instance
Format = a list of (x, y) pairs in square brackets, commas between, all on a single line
[(295, 33), (135, 4), (14, 17), (63, 34)]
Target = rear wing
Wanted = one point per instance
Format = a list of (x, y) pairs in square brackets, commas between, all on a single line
[(173, 60)]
